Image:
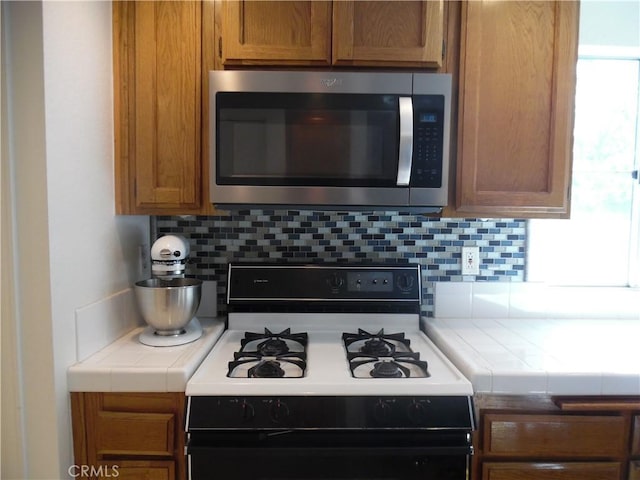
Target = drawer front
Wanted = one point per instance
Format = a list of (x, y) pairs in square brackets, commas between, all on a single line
[(551, 471), (143, 402), (139, 470), (635, 442), (120, 433), (554, 436)]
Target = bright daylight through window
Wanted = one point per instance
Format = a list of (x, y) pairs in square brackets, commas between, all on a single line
[(599, 245)]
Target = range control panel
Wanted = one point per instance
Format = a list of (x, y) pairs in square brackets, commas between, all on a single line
[(430, 412), (322, 282)]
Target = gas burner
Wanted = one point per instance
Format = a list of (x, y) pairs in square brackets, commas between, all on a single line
[(379, 344), (398, 365), (266, 369), (272, 347), (270, 355), (256, 365), (387, 369)]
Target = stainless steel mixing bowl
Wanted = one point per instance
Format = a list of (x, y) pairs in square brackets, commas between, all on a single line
[(168, 305)]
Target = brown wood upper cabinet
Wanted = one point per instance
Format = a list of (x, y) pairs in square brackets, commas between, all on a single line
[(358, 33), (158, 128), (516, 88), (516, 108)]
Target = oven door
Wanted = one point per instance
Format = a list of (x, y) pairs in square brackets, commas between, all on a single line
[(370, 455)]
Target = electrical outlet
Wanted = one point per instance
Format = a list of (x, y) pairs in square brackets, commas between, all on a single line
[(470, 260)]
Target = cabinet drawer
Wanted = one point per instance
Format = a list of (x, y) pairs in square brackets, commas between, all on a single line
[(551, 471), (635, 439), (140, 470), (120, 433), (554, 436)]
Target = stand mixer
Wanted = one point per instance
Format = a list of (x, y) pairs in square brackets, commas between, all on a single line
[(168, 300)]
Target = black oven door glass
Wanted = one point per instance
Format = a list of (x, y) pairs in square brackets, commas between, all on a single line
[(293, 464), (382, 456), (304, 139)]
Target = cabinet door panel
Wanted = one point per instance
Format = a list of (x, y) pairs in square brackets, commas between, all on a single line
[(276, 32), (388, 32), (120, 433), (517, 88), (554, 436), (551, 471), (167, 103)]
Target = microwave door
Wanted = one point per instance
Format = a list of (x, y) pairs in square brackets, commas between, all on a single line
[(300, 149), (405, 150)]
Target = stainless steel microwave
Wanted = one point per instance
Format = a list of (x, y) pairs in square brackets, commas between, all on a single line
[(329, 140)]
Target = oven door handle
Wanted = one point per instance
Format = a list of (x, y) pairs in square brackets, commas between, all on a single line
[(405, 150)]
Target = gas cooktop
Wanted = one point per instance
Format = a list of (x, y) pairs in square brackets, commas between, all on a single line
[(325, 330)]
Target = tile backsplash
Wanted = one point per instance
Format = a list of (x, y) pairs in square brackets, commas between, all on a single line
[(312, 236), (533, 300)]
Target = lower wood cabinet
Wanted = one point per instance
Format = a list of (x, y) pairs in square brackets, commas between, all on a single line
[(550, 471), (129, 435), (568, 438)]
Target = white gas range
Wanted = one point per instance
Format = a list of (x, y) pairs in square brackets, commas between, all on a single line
[(319, 356)]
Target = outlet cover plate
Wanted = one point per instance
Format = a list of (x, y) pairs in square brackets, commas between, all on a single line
[(470, 261)]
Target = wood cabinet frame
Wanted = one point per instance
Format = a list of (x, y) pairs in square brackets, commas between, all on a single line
[(158, 100), (331, 34), (559, 438), (140, 433), (515, 115)]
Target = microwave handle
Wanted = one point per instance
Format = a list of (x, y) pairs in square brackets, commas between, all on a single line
[(405, 150)]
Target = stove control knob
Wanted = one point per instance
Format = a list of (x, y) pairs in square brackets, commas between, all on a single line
[(278, 411), (248, 412), (405, 282), (382, 411), (335, 281), (417, 413)]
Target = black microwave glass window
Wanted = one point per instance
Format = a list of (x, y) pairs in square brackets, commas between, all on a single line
[(306, 139)]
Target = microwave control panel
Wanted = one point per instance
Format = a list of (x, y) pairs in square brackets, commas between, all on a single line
[(428, 129)]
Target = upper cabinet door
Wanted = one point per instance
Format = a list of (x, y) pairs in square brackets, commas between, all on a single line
[(276, 32), (394, 33), (516, 107), (158, 106)]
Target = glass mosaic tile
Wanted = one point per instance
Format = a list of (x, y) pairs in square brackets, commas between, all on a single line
[(378, 237)]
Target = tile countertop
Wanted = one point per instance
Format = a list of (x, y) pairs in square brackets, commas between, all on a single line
[(126, 365), (542, 356)]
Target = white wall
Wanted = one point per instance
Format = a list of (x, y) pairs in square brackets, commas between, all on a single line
[(611, 23), (69, 249)]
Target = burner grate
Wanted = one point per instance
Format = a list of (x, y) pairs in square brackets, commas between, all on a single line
[(270, 355), (381, 355), (398, 365), (375, 343)]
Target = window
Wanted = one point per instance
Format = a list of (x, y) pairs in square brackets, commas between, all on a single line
[(599, 245)]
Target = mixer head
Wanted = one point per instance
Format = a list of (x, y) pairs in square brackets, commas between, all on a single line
[(169, 256)]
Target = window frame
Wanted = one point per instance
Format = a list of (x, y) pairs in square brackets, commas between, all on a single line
[(633, 263)]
